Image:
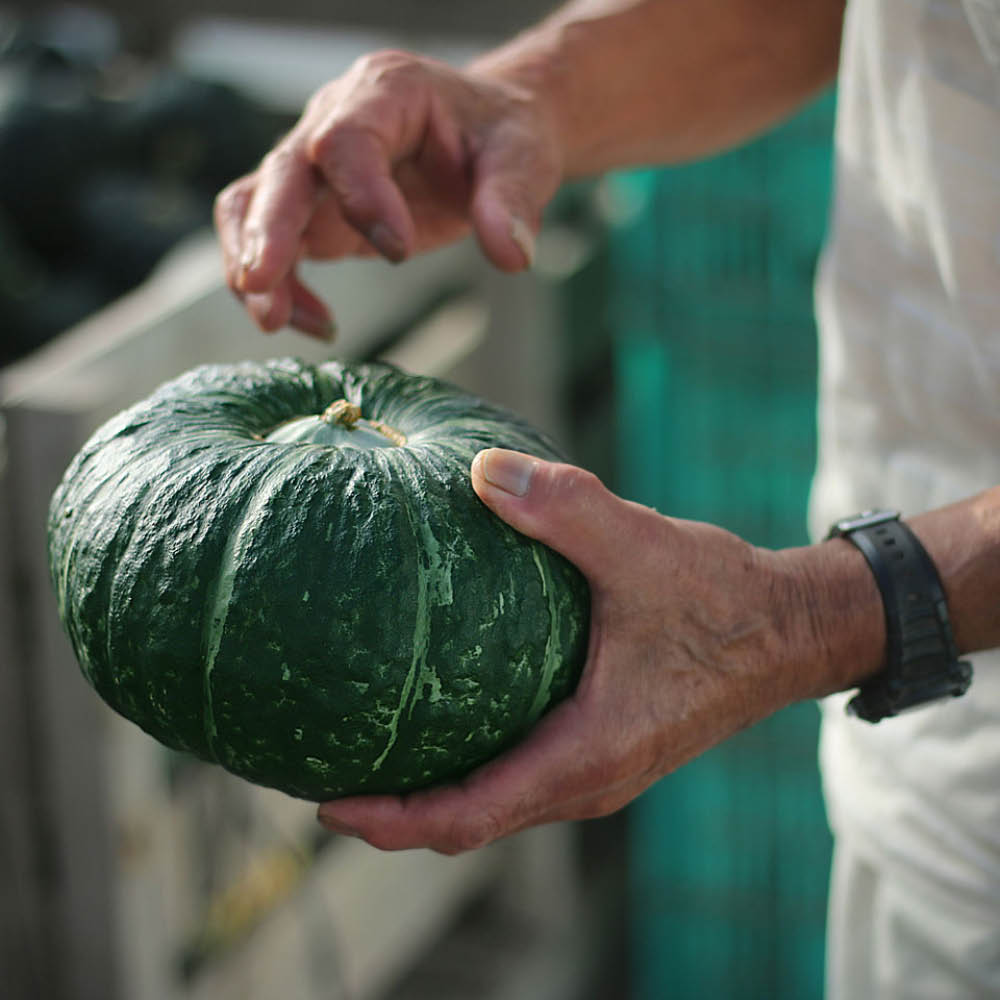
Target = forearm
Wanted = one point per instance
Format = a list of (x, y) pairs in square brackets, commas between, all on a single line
[(630, 82), (837, 609)]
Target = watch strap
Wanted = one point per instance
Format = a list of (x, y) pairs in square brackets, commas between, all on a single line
[(922, 662)]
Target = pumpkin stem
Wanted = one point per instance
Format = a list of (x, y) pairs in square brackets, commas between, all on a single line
[(342, 412), (345, 414)]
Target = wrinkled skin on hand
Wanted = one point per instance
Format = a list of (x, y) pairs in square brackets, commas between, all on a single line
[(695, 635), (401, 154)]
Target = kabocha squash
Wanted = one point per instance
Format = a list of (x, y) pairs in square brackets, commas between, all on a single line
[(283, 568)]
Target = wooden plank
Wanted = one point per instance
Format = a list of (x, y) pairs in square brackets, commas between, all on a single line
[(24, 944), (74, 847), (518, 364), (362, 918), (184, 316)]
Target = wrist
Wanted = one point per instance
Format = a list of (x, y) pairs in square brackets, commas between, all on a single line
[(963, 541), (534, 71), (831, 615)]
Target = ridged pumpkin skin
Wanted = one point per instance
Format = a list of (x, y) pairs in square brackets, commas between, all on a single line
[(320, 615)]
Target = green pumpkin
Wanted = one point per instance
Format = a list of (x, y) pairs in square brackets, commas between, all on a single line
[(283, 568)]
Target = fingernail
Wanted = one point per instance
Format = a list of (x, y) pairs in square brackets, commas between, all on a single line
[(521, 234), (320, 327), (387, 241), (251, 257), (334, 825), (509, 471), (260, 305)]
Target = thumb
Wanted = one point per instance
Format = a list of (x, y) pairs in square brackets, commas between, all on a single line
[(564, 507)]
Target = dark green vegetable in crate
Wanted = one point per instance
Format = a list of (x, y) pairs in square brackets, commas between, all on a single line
[(283, 568)]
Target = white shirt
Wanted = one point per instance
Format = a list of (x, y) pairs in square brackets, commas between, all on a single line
[(908, 302)]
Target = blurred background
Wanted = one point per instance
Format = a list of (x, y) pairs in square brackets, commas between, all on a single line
[(665, 337)]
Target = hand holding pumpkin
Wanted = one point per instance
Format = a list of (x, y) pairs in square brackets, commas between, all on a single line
[(695, 634), (401, 154)]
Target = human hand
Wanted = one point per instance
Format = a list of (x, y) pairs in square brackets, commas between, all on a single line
[(401, 154), (695, 634)]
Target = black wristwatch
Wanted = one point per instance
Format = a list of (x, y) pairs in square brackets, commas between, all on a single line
[(922, 662)]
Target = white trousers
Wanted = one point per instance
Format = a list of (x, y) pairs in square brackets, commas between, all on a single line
[(895, 936)]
